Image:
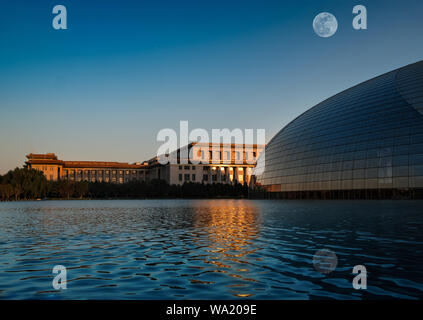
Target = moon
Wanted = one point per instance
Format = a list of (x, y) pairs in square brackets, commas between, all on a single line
[(325, 24)]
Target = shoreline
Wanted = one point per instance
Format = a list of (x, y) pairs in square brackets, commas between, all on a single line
[(215, 198)]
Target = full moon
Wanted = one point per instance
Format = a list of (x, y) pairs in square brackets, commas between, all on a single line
[(325, 24)]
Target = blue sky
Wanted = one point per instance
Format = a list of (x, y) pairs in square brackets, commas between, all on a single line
[(124, 70)]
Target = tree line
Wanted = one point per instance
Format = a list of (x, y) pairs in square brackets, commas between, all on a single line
[(30, 184)]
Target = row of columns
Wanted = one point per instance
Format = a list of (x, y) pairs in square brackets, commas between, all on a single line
[(224, 176)]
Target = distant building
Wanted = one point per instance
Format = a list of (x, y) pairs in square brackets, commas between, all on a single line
[(91, 171), (208, 163)]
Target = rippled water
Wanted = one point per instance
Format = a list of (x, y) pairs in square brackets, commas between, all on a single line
[(209, 249)]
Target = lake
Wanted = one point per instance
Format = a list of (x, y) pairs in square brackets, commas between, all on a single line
[(210, 249)]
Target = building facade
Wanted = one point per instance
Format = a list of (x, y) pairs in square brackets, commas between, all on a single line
[(90, 171), (364, 142), (203, 163), (208, 163)]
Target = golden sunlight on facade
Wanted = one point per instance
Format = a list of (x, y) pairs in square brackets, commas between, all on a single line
[(91, 171), (209, 163)]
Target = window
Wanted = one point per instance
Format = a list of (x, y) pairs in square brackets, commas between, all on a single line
[(180, 177), (186, 177), (180, 167), (214, 177), (193, 168), (193, 177), (401, 171), (186, 167), (416, 159), (205, 177), (401, 160)]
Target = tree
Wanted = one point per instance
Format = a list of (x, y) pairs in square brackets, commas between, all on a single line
[(6, 191), (80, 189), (26, 183)]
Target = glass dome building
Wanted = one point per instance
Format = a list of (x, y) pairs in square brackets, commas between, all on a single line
[(365, 142)]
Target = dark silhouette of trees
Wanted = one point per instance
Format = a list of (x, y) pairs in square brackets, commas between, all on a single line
[(6, 191), (64, 189), (26, 184)]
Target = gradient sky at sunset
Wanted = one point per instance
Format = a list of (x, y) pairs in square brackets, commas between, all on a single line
[(123, 70)]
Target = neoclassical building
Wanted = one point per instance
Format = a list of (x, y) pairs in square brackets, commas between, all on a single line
[(203, 162), (208, 163), (91, 171)]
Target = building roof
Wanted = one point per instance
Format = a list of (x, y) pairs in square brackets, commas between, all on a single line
[(51, 159), (102, 164), (176, 158), (45, 156), (232, 145)]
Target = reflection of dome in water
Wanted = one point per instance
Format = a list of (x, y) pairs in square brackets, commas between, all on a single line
[(366, 141)]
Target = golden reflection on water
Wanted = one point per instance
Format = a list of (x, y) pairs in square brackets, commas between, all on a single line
[(224, 231), (231, 227)]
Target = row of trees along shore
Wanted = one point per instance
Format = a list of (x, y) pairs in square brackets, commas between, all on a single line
[(30, 184)]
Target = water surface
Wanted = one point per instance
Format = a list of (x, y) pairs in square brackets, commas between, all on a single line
[(210, 249)]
